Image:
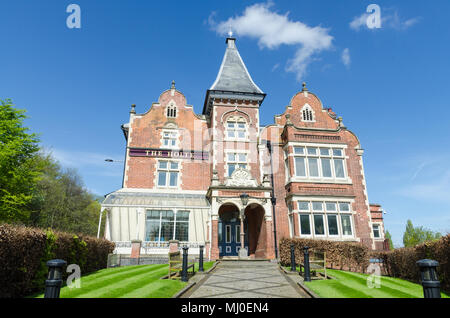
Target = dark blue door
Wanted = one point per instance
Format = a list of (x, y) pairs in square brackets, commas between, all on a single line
[(230, 237)]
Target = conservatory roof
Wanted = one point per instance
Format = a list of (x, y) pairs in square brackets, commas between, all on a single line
[(145, 199)]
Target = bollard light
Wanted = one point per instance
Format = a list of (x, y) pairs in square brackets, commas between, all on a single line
[(185, 261), (54, 280), (200, 262), (293, 258), (306, 264), (429, 278)]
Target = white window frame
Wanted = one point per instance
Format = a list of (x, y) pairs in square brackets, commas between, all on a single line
[(236, 120), (174, 211), (325, 226), (325, 213), (351, 225), (300, 225), (380, 231), (237, 162), (320, 179), (337, 224), (168, 170), (175, 136), (308, 108), (170, 109)]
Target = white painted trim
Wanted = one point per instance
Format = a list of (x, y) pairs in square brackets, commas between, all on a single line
[(307, 107), (151, 190)]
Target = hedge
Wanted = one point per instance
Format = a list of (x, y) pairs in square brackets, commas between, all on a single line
[(401, 262), (340, 255), (24, 252)]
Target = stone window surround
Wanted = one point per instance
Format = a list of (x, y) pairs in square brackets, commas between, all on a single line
[(236, 119), (290, 145), (156, 177), (235, 151), (339, 237), (177, 137), (171, 106), (308, 108), (381, 230)]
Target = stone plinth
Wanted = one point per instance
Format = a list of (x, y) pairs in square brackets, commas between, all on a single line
[(136, 248), (173, 246)]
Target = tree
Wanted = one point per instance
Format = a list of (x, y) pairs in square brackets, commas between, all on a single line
[(19, 169), (61, 202), (416, 235), (389, 238)]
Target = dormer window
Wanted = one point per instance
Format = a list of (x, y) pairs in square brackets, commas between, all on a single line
[(307, 113), (171, 111)]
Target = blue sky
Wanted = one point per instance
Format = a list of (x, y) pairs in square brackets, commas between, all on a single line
[(390, 84)]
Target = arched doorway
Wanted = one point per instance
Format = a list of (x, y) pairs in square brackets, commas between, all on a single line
[(257, 232), (229, 228)]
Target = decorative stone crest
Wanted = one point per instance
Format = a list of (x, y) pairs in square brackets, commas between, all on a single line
[(241, 178)]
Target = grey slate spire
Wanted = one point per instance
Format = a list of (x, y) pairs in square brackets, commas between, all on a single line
[(233, 80), (233, 75)]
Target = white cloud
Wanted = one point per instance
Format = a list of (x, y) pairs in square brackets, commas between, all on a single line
[(272, 30), (359, 22), (346, 57), (430, 181), (390, 19)]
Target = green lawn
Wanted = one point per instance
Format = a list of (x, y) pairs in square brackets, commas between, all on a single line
[(140, 281), (354, 285)]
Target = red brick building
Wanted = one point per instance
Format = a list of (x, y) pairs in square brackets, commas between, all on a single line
[(222, 180)]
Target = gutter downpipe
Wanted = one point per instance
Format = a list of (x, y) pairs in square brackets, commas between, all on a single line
[(274, 200)]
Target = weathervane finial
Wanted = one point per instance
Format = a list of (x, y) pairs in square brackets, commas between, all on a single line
[(230, 33)]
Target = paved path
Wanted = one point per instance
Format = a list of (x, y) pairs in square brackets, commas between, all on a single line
[(246, 279)]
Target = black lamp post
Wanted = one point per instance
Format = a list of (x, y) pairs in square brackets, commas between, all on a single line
[(54, 280), (429, 278)]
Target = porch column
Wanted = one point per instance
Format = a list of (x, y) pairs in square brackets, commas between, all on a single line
[(243, 253), (242, 229), (100, 221), (215, 240)]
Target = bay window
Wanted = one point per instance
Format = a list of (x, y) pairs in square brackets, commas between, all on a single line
[(325, 218), (319, 162)]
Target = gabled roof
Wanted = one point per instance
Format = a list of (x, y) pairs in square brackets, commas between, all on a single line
[(233, 75)]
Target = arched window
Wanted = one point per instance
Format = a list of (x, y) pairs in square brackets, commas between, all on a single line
[(236, 128), (307, 113), (171, 111)]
